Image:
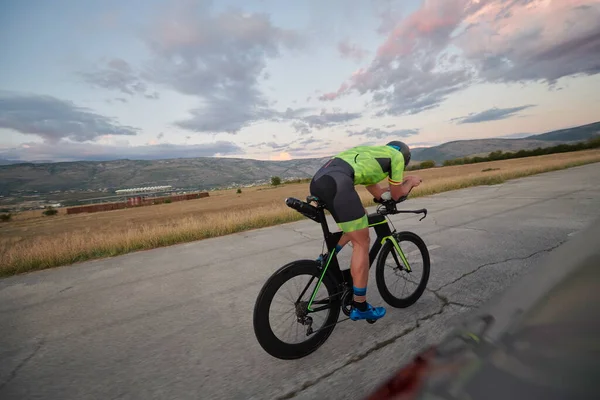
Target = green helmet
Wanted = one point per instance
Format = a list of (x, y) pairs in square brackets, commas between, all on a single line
[(402, 148)]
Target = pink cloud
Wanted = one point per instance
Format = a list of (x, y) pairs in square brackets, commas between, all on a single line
[(495, 26), (334, 95), (540, 39), (330, 96), (427, 28), (435, 17), (352, 51), (445, 44)]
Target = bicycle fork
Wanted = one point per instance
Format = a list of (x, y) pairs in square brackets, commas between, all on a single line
[(392, 238)]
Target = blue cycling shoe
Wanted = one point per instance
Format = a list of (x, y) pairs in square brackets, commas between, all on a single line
[(372, 313)]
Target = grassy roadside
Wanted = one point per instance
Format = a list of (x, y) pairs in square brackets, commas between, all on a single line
[(21, 253)]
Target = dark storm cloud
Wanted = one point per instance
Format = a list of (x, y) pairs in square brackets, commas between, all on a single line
[(68, 151), (325, 119), (118, 75), (381, 134), (493, 114), (53, 119), (218, 58)]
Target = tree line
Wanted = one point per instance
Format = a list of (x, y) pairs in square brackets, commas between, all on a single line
[(499, 155), (592, 143)]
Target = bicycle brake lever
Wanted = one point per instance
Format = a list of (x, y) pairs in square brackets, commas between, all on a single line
[(425, 214)]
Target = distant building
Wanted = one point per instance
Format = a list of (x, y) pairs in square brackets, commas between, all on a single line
[(143, 189)]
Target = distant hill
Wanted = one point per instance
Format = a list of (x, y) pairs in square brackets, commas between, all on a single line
[(208, 172), (11, 162), (462, 148), (579, 133), (192, 173)]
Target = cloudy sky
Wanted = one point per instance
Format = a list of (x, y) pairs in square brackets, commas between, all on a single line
[(274, 79)]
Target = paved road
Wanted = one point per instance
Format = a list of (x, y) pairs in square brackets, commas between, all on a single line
[(176, 323)]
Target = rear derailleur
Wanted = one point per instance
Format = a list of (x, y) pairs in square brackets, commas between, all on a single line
[(303, 318)]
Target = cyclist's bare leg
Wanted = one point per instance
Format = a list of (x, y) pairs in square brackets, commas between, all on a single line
[(359, 264), (359, 269), (345, 238)]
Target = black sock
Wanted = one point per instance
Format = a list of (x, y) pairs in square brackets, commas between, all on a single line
[(361, 306)]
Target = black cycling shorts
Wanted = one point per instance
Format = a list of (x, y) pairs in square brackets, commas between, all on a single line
[(333, 184)]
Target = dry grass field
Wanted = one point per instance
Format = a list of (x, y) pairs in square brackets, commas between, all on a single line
[(31, 241)]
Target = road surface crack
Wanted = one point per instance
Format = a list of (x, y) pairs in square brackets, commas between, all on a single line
[(15, 371), (361, 356), (446, 300), (65, 289), (496, 263), (304, 235)]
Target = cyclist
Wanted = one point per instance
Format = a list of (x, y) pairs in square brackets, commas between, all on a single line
[(334, 183)]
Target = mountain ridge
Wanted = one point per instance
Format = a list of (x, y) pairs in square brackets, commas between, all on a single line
[(204, 173)]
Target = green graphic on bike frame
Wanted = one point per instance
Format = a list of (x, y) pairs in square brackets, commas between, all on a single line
[(398, 249), (319, 283), (378, 223)]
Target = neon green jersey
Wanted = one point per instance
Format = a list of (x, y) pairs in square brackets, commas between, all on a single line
[(372, 164)]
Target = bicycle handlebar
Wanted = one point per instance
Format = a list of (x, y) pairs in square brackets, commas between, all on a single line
[(389, 207)]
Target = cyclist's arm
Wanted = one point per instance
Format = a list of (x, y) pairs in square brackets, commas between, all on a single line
[(376, 190), (399, 187)]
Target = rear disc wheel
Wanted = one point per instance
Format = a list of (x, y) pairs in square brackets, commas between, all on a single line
[(282, 304)]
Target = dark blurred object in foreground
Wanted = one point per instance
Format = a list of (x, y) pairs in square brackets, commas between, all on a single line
[(540, 339)]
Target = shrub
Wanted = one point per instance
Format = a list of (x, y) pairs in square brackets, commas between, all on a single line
[(275, 180), (298, 180), (168, 201), (239, 190), (50, 211), (427, 164), (5, 217)]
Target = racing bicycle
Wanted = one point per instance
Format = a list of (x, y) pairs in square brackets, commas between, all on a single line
[(325, 273)]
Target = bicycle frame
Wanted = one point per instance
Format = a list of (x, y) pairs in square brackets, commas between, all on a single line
[(383, 232)]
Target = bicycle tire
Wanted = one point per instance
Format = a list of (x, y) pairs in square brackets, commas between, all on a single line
[(262, 329), (387, 296)]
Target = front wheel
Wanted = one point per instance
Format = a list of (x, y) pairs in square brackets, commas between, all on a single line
[(310, 329), (407, 270)]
